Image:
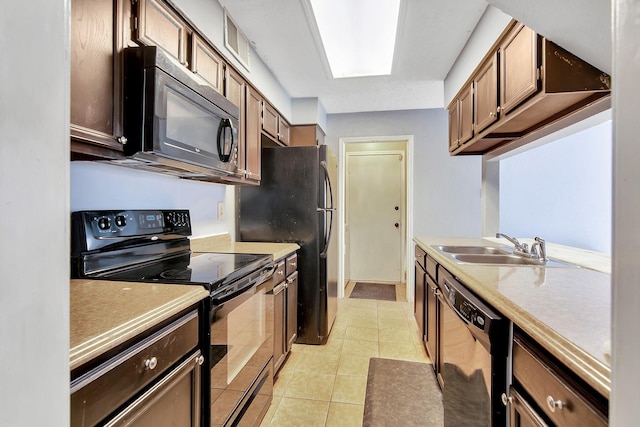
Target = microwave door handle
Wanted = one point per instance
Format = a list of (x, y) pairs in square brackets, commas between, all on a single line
[(222, 133)]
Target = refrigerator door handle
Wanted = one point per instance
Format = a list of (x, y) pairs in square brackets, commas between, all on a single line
[(330, 209)]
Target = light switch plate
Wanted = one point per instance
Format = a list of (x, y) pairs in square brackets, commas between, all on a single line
[(220, 210)]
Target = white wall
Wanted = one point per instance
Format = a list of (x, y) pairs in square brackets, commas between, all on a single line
[(561, 191), (103, 186), (446, 189), (34, 214)]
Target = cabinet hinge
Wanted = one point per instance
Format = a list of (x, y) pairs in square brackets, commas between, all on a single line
[(538, 73)]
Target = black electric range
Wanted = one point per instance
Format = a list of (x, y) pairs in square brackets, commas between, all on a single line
[(236, 328), (153, 246)]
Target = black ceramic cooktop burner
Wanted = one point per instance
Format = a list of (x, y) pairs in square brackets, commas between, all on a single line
[(211, 270)]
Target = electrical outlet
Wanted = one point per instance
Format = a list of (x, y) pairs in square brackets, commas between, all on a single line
[(220, 210)]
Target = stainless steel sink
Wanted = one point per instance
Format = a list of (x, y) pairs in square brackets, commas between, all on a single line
[(471, 250), (506, 259)]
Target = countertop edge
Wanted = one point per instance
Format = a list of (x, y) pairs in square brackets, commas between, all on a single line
[(591, 370), (99, 344)]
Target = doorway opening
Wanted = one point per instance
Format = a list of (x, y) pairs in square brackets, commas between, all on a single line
[(375, 211)]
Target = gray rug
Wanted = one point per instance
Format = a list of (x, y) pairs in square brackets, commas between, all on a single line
[(380, 291), (402, 393)]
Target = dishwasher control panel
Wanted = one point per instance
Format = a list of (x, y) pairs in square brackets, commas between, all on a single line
[(470, 308)]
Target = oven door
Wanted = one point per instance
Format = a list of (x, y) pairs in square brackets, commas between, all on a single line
[(241, 356)]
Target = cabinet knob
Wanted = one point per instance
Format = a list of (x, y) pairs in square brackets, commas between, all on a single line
[(122, 140), (491, 114), (506, 400), (200, 360), (554, 404), (151, 364)]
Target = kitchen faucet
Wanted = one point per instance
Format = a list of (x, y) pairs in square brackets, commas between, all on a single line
[(539, 249), (537, 252)]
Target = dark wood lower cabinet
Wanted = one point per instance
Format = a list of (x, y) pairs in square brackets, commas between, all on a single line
[(175, 400), (544, 393), (285, 301), (521, 413)]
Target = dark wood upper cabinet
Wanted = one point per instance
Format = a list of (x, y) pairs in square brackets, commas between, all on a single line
[(306, 135), (97, 40), (207, 63), (519, 67), (524, 88), (158, 25), (465, 109), (454, 126), (253, 135), (486, 94), (234, 92), (283, 131), (270, 120)]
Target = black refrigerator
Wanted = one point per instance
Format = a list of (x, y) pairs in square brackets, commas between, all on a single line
[(295, 203)]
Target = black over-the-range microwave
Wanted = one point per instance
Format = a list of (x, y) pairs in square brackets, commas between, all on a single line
[(173, 122)]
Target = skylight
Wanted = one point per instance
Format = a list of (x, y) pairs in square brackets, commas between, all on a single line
[(359, 36)]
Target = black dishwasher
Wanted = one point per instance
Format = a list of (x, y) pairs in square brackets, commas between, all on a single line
[(473, 354)]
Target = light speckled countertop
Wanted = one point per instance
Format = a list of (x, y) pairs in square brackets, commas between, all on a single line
[(223, 243), (567, 310), (104, 314)]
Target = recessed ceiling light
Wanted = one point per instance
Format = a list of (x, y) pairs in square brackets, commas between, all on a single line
[(358, 36)]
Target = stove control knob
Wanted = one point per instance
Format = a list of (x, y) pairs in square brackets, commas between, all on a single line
[(121, 221), (104, 223)]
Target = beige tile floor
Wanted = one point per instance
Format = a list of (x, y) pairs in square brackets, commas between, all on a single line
[(325, 385)]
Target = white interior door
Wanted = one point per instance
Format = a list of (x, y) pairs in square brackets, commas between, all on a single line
[(375, 204)]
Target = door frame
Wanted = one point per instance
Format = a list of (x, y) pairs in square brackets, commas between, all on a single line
[(408, 229)]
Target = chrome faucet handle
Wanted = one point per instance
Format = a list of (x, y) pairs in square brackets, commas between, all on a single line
[(540, 250)]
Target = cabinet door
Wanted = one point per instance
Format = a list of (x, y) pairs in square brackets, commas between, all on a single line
[(270, 120), (160, 26), (283, 131), (486, 94), (521, 413), (174, 400), (234, 92), (253, 138), (519, 67), (292, 310), (466, 115), (279, 316), (97, 40), (207, 63), (454, 129)]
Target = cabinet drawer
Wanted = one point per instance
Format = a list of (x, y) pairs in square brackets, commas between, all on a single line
[(421, 257), (432, 267), (279, 275), (100, 391), (292, 264), (547, 387)]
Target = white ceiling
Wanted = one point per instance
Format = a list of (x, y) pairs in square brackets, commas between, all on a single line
[(431, 35)]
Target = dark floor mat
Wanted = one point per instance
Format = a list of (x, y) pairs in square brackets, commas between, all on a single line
[(402, 393), (379, 291)]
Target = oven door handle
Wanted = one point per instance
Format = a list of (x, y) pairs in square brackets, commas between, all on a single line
[(229, 294)]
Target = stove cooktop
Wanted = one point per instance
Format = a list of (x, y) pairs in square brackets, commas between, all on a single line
[(212, 270)]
